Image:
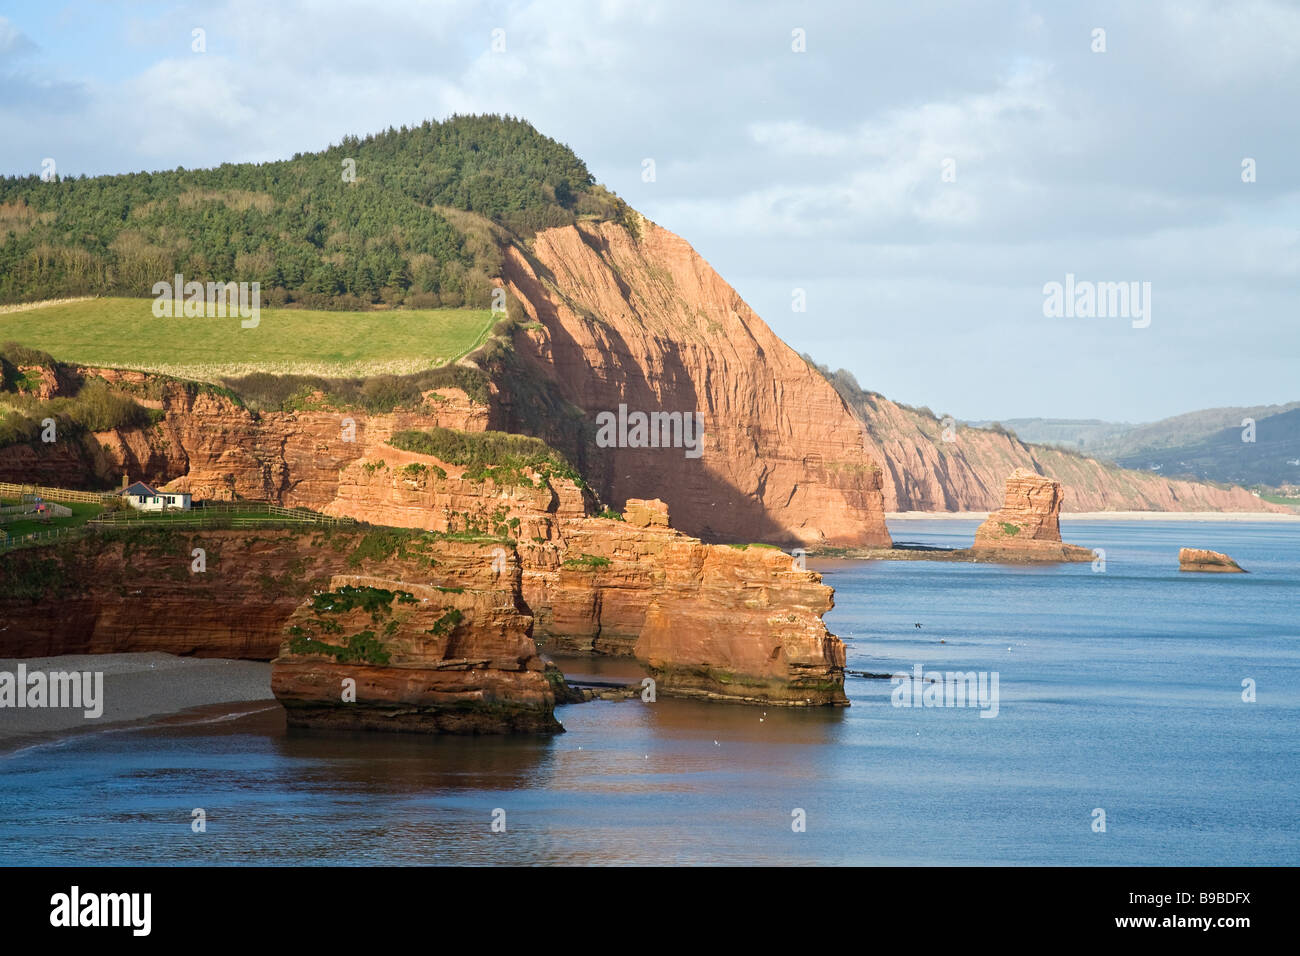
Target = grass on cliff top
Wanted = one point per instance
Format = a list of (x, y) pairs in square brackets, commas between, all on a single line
[(81, 513), (123, 333), (500, 456)]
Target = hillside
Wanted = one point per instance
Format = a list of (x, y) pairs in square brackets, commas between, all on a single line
[(923, 472), (394, 233), (1080, 434), (606, 313), (1272, 459), (287, 341), (1205, 444)]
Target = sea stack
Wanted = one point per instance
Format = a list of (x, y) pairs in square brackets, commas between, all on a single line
[(1028, 526), (1196, 559), (455, 656)]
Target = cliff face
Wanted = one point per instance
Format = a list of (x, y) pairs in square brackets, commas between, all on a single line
[(713, 621), (136, 590), (1027, 527), (214, 448), (708, 620), (419, 657), (923, 472), (448, 650), (410, 490), (643, 321)]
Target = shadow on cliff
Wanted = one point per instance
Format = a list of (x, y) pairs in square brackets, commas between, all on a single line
[(700, 501)]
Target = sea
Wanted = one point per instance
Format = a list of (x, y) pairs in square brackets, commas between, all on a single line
[(1143, 717)]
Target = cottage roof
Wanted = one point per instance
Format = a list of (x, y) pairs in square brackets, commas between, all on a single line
[(138, 489)]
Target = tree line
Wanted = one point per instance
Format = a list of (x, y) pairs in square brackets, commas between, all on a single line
[(374, 220)]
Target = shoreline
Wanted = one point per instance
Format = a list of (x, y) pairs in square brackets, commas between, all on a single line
[(138, 688), (1104, 516)]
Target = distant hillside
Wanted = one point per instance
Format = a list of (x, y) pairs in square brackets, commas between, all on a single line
[(966, 468), (417, 224), (1081, 434), (1185, 430), (1272, 459), (1204, 444)]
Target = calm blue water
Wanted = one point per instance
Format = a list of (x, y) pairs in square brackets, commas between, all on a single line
[(1120, 690)]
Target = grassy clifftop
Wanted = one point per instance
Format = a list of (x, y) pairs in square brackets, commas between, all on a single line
[(123, 333)]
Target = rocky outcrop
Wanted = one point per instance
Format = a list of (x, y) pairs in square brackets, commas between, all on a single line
[(1196, 559), (639, 319), (410, 490), (449, 651), (738, 623), (40, 381), (644, 514), (211, 446), (1027, 527), (375, 654)]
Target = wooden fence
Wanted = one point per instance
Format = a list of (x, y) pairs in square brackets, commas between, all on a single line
[(10, 542), (10, 490), (215, 515), (28, 512)]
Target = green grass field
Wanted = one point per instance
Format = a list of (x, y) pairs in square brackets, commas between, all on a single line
[(123, 333), (1281, 500), (81, 513)]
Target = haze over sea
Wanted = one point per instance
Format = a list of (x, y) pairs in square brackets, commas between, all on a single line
[(1120, 690)]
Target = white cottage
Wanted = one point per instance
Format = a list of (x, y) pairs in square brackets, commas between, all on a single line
[(144, 498)]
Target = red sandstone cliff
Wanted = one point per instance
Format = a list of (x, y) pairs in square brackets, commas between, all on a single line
[(420, 657), (737, 623), (714, 621), (644, 321), (450, 651), (923, 472)]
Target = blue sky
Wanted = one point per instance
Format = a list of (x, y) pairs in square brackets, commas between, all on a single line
[(818, 170)]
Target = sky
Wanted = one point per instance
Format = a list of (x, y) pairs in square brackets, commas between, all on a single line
[(915, 174)]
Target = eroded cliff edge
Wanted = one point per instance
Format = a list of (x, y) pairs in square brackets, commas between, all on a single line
[(634, 316), (431, 635), (726, 622)]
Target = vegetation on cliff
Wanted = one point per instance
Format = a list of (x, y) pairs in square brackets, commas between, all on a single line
[(263, 391), (93, 405), (499, 456), (401, 217)]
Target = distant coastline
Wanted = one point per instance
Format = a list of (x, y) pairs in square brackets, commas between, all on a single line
[(1110, 515)]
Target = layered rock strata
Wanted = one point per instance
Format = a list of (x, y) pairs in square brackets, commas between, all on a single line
[(450, 650), (723, 622), (731, 622), (636, 318), (933, 465), (376, 654), (1027, 527)]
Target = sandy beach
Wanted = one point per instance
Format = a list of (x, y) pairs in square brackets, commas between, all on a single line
[(1109, 515), (135, 686)]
